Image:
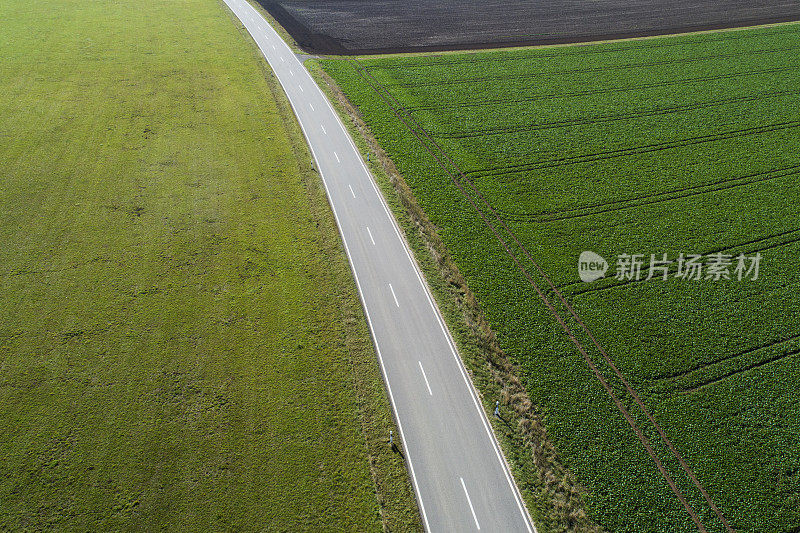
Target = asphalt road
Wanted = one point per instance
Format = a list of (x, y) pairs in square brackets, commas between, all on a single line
[(460, 477)]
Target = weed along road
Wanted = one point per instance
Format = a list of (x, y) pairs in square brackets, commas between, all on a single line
[(460, 477)]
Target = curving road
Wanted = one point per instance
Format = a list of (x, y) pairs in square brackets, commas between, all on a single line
[(461, 479)]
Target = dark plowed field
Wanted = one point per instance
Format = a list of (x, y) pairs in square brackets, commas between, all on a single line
[(384, 26)]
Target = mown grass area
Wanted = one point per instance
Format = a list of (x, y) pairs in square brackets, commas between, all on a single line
[(682, 144), (181, 341)]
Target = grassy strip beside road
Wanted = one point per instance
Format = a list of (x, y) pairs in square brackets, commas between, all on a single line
[(181, 342)]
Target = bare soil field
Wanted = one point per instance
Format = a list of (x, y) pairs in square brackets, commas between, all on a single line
[(391, 26)]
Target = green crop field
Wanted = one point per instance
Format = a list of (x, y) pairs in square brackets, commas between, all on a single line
[(181, 341), (673, 401)]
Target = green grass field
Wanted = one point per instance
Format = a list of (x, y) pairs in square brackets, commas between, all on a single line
[(181, 342), (523, 159)]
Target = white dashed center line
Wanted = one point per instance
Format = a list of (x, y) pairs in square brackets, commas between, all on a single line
[(337, 157), (370, 236), (321, 126), (311, 106), (426, 383), (351, 190), (469, 501), (395, 300)]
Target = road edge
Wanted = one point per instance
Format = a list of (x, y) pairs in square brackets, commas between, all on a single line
[(539, 476)]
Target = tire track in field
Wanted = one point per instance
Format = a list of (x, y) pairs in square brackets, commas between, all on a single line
[(477, 200), (579, 50), (624, 152), (612, 117), (717, 361), (731, 249), (588, 288), (591, 92), (603, 68), (771, 246), (649, 199), (736, 372)]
